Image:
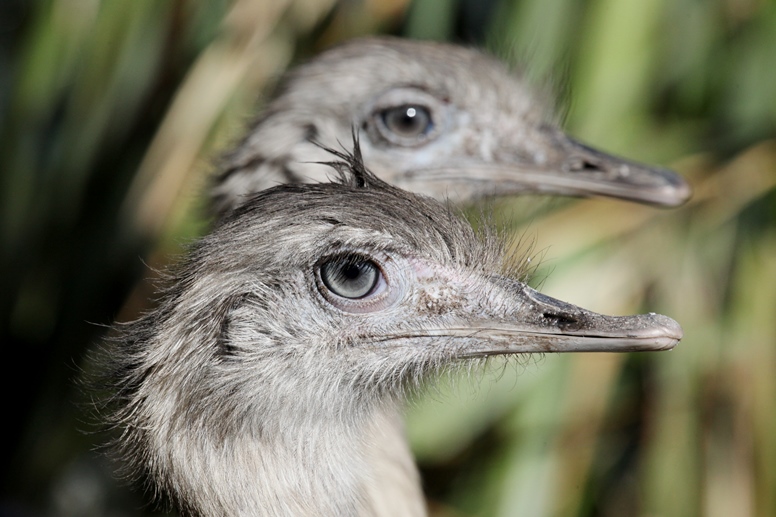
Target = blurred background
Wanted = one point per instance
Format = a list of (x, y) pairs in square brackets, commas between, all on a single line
[(112, 112)]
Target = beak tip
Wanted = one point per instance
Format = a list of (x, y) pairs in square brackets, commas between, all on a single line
[(675, 194), (668, 331)]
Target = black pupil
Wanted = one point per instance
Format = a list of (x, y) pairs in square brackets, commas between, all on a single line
[(407, 120), (350, 277), (351, 272)]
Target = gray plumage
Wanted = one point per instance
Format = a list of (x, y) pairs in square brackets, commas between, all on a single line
[(435, 118), (254, 388)]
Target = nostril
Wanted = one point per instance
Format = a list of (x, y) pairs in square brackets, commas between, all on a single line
[(582, 165), (559, 319)]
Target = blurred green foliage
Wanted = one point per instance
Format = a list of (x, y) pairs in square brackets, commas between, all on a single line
[(110, 111)]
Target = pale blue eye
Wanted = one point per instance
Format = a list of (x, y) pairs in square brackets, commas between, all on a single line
[(350, 276)]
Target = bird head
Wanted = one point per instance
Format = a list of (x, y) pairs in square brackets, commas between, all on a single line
[(437, 119), (264, 376), (312, 302)]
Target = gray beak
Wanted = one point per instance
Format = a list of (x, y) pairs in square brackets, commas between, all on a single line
[(568, 168), (544, 324), (509, 317), (587, 171)]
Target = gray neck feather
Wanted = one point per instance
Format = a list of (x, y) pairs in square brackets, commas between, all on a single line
[(282, 443)]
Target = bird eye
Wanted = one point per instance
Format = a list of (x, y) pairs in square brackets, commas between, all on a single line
[(351, 276), (406, 117), (407, 121)]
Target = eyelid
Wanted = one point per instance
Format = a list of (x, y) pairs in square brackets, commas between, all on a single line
[(438, 110), (384, 294)]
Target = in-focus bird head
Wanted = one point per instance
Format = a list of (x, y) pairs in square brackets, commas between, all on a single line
[(292, 329), (336, 293), (437, 119)]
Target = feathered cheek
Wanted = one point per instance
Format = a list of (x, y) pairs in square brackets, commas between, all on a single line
[(441, 291)]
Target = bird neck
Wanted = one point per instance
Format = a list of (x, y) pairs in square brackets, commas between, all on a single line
[(331, 469)]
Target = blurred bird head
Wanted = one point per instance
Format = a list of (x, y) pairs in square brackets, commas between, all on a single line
[(438, 119)]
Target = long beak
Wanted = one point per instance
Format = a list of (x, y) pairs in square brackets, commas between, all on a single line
[(571, 169), (512, 318), (544, 324)]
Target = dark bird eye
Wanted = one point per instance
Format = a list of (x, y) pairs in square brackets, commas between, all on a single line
[(407, 121), (350, 276)]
